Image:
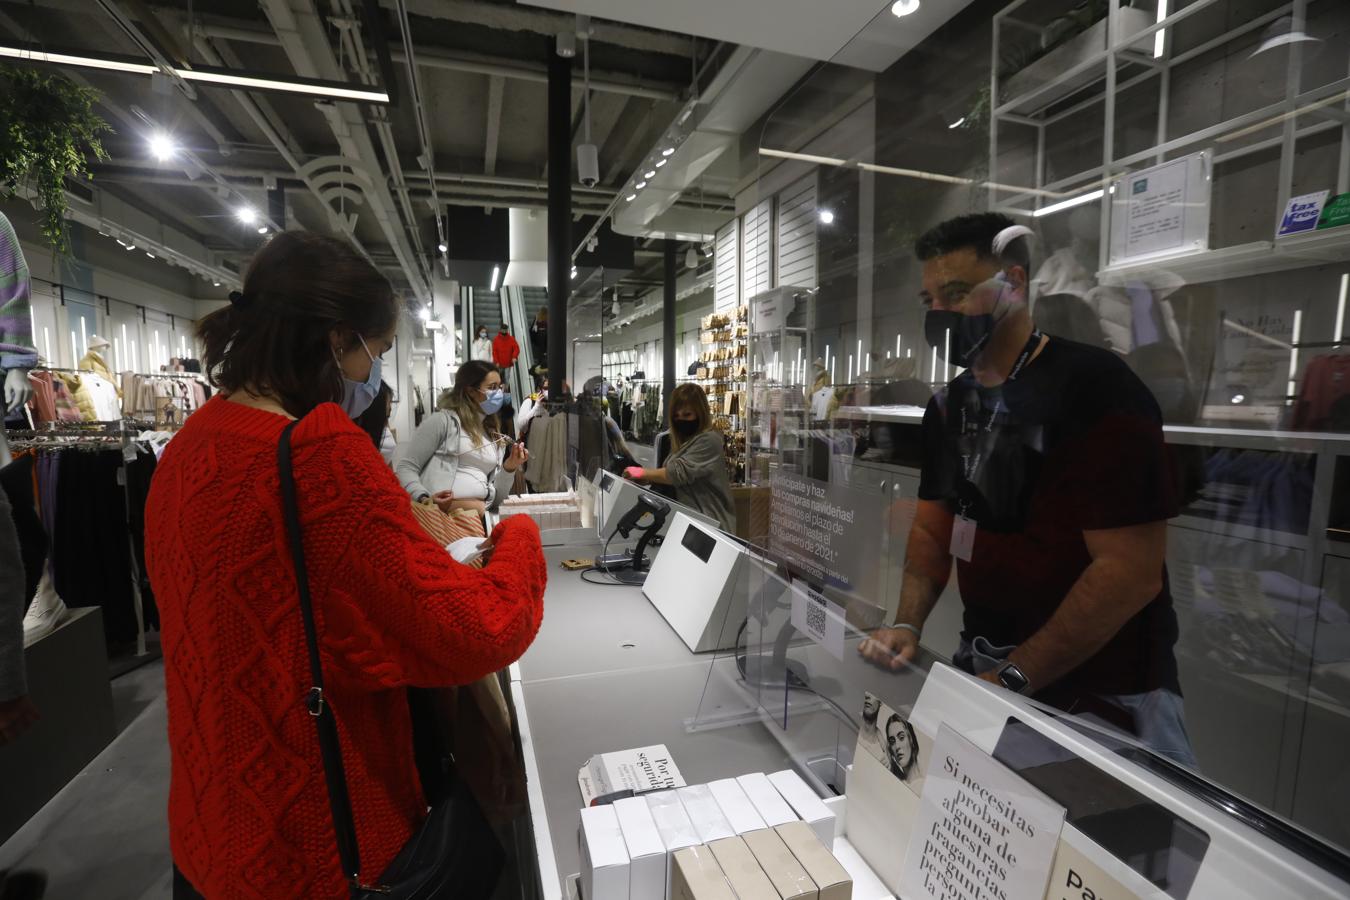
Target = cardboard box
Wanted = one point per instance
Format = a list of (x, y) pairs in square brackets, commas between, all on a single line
[(770, 805), (742, 871), (673, 825), (736, 806), (697, 876), (646, 851), (704, 812), (782, 868), (830, 877), (604, 858), (806, 804)]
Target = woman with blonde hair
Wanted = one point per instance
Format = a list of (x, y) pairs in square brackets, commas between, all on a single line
[(453, 457), (697, 465)]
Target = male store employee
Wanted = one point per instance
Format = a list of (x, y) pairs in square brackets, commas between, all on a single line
[(1045, 475)]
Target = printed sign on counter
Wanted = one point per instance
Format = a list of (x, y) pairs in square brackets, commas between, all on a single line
[(981, 831), (817, 618)]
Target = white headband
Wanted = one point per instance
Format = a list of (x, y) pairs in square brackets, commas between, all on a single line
[(1008, 235)]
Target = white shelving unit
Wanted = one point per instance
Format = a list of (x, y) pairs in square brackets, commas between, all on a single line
[(1123, 52)]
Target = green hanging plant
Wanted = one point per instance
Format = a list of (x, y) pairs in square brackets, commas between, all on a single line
[(48, 132)]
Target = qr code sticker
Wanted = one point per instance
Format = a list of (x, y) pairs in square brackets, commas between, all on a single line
[(815, 617)]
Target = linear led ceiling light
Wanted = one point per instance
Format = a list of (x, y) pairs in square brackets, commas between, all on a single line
[(333, 90), (1069, 204)]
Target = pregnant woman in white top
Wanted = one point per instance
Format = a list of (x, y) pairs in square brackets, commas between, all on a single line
[(454, 456)]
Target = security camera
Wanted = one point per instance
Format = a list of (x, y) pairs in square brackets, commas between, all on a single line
[(588, 164)]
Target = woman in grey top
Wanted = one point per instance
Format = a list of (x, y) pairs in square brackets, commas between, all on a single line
[(697, 465)]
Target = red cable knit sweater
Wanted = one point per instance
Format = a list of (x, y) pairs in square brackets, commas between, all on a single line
[(248, 811)]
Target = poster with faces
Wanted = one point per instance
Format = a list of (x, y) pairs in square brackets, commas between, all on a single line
[(888, 737)]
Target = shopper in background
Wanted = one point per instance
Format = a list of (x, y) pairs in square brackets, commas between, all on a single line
[(697, 465), (482, 345), (248, 809), (453, 457), (539, 337), (375, 422), (505, 350), (1045, 475)]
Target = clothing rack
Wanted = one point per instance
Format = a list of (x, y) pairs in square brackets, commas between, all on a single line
[(101, 434)]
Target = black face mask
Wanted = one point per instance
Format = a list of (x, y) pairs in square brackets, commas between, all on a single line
[(685, 428), (969, 334)]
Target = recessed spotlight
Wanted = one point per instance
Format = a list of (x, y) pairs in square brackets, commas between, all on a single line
[(904, 7), (660, 163), (574, 271), (247, 215), (442, 247), (632, 197), (215, 284), (826, 217), (424, 314), (640, 185), (262, 229), (669, 151), (131, 246), (1238, 398), (957, 124), (651, 174), (162, 146), (149, 254)]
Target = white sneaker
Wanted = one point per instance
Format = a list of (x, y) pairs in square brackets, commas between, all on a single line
[(46, 612)]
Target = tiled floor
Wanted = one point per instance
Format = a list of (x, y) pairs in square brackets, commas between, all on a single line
[(105, 836)]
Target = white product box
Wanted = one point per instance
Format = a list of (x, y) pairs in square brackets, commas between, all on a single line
[(673, 825), (704, 812), (768, 802), (604, 858), (804, 801), (646, 851), (736, 806)]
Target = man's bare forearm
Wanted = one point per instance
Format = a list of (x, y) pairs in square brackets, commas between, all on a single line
[(1107, 595), (927, 568)]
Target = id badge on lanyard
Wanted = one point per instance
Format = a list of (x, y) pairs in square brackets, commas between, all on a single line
[(963, 535)]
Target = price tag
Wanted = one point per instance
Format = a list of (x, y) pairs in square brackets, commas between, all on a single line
[(963, 538)]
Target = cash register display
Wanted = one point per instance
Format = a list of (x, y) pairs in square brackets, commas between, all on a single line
[(698, 543)]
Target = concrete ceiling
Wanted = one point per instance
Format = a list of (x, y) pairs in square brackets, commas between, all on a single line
[(481, 64), (859, 33)]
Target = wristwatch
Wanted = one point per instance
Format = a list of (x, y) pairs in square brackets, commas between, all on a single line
[(1012, 678)]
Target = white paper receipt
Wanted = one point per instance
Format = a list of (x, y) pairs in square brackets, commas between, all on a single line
[(467, 550)]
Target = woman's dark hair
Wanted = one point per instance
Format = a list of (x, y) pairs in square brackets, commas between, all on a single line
[(376, 417), (274, 337), (692, 397), (459, 401)]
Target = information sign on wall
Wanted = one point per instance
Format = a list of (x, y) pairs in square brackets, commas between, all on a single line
[(1163, 210)]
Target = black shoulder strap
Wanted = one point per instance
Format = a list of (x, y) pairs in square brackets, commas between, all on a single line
[(334, 774)]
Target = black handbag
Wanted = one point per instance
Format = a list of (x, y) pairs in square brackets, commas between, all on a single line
[(454, 853)]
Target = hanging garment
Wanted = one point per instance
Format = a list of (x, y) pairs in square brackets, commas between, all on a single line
[(1325, 382), (93, 362), (16, 480), (16, 318)]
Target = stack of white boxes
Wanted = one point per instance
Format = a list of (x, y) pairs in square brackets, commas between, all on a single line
[(757, 837), (560, 510)]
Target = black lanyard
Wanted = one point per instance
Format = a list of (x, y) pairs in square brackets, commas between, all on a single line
[(974, 453)]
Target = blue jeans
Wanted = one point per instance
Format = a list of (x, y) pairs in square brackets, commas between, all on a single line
[(1159, 719)]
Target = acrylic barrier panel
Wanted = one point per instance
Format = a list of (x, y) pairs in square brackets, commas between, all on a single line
[(1183, 219)]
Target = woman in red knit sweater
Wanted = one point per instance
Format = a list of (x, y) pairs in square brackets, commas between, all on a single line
[(248, 808)]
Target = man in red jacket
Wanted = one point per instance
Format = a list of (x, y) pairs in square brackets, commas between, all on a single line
[(505, 350)]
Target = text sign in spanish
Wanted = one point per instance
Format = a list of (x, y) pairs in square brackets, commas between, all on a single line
[(830, 533), (983, 832)]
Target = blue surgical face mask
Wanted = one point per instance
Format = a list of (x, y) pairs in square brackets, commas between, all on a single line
[(357, 396), (494, 401)]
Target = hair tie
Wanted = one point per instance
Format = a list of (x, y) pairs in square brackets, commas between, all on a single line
[(1008, 235), (237, 300)]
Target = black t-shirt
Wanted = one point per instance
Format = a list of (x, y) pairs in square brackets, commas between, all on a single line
[(1074, 444)]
